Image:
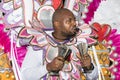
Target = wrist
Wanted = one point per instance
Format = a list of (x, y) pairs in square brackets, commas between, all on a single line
[(48, 67), (88, 69)]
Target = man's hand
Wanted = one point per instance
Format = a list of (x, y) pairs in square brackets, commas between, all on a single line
[(56, 65), (85, 60)]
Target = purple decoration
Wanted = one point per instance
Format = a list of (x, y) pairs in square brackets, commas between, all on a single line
[(20, 54)]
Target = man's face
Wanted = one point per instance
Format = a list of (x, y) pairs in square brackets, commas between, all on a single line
[(68, 25)]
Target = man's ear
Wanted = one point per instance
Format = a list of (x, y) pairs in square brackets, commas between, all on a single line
[(56, 24)]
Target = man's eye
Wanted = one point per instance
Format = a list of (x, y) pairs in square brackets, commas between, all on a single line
[(68, 21)]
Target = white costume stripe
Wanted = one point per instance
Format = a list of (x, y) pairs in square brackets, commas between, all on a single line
[(28, 7), (98, 64), (15, 66)]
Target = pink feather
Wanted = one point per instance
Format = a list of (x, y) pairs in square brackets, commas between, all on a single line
[(92, 8), (5, 42), (4, 39), (115, 38)]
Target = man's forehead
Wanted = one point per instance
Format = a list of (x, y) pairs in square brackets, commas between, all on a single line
[(63, 14), (71, 16)]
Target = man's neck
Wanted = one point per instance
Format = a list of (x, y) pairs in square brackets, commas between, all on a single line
[(58, 37)]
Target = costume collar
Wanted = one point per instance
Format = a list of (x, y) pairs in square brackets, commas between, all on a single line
[(53, 42)]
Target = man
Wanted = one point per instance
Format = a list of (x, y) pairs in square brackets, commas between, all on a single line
[(38, 64)]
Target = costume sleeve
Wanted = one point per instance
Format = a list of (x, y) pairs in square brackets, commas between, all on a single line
[(93, 75), (32, 66)]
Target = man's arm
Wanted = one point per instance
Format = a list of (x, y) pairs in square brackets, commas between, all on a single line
[(89, 68), (32, 66), (92, 74)]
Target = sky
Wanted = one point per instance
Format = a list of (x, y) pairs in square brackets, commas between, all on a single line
[(109, 13)]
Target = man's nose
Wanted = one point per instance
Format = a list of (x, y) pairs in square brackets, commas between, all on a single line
[(74, 23)]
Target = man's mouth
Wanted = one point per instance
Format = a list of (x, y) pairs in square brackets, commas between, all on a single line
[(76, 29)]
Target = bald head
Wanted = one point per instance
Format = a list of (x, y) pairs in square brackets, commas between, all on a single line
[(64, 24), (59, 14)]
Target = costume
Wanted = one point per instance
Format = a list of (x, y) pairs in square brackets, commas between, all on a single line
[(18, 13), (34, 64)]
